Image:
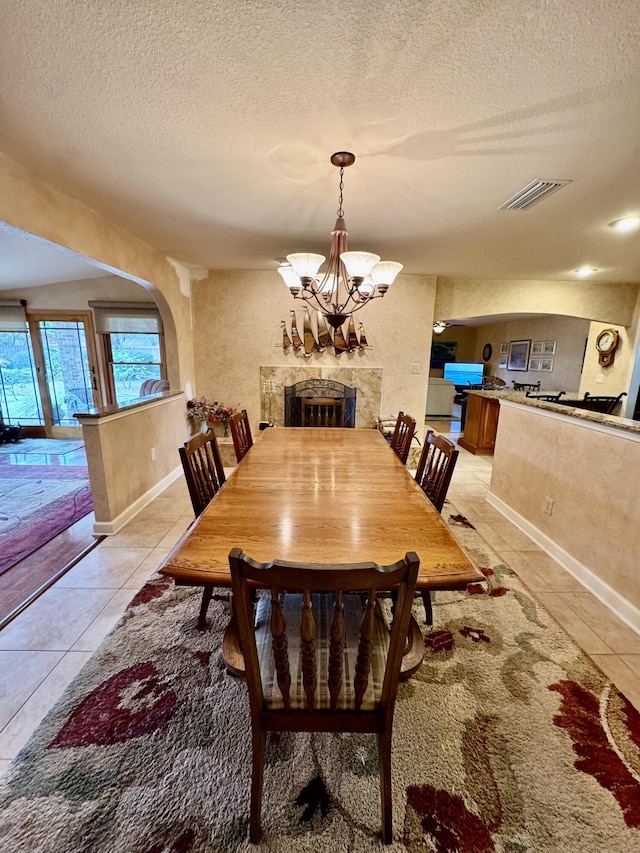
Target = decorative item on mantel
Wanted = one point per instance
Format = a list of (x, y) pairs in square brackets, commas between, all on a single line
[(350, 280), (316, 335), (209, 412)]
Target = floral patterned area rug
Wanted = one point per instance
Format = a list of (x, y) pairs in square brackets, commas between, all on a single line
[(507, 739)]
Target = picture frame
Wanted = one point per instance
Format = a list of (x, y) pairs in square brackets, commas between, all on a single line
[(534, 363), (502, 361), (536, 347), (504, 349), (549, 348), (546, 364), (518, 355)]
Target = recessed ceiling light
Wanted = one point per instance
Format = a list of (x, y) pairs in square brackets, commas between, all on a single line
[(627, 223), (583, 272)]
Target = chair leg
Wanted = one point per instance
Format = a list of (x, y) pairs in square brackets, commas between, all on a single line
[(206, 598), (428, 611), (258, 743), (384, 754)]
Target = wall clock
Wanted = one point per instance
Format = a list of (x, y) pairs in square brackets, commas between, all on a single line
[(606, 344), (487, 352)]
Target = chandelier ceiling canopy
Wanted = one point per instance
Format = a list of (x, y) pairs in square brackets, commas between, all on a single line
[(350, 279)]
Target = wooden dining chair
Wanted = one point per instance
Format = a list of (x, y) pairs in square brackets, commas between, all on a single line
[(322, 412), (316, 613), (435, 469), (204, 474), (403, 434), (241, 434)]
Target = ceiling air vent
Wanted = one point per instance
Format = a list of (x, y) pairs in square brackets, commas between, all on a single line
[(532, 194)]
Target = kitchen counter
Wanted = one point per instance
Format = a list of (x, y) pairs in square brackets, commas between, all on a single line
[(561, 408)]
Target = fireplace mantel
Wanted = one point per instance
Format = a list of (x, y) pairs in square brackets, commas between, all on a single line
[(366, 380)]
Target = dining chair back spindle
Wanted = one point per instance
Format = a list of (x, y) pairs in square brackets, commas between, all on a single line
[(204, 474), (322, 412), (314, 613), (435, 468), (403, 434), (241, 434)]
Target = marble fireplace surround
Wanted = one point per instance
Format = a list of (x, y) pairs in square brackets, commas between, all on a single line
[(366, 380)]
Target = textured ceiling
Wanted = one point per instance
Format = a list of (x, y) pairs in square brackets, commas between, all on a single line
[(206, 126)]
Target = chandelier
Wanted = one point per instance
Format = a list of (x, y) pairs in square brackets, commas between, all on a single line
[(350, 279)]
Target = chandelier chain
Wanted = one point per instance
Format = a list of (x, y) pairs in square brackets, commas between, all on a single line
[(340, 211)]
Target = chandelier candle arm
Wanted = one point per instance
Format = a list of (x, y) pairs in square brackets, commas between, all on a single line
[(359, 264), (384, 274), (349, 280), (306, 264), (291, 279)]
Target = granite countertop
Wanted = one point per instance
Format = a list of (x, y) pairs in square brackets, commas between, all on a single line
[(562, 408), (104, 411)]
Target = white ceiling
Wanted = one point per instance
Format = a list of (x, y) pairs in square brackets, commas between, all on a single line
[(206, 126)]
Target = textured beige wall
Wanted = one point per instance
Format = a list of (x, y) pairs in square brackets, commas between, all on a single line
[(593, 478), (33, 206), (237, 318), (570, 334), (616, 377), (119, 453), (75, 295), (593, 300)]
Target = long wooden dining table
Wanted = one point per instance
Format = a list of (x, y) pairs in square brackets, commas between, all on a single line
[(320, 496)]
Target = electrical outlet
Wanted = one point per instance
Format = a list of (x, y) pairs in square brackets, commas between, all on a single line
[(416, 367), (547, 506), (599, 378), (153, 454)]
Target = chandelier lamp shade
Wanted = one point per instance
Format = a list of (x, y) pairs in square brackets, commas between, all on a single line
[(349, 281)]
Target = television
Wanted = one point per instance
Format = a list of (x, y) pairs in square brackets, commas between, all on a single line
[(463, 374)]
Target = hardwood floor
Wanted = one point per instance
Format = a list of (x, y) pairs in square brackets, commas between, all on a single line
[(19, 583), (25, 580)]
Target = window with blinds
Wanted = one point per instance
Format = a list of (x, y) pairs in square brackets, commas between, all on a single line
[(132, 344)]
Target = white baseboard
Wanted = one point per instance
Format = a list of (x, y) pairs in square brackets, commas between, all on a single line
[(108, 528), (617, 603)]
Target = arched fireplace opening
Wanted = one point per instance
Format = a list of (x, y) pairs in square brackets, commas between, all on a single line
[(294, 395)]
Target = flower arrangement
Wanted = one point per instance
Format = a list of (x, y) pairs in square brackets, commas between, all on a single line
[(210, 412)]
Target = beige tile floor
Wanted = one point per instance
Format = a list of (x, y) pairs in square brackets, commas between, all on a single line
[(44, 648)]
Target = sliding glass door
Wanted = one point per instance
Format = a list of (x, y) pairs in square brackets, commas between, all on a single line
[(66, 368)]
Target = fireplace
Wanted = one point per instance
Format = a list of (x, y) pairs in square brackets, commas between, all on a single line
[(363, 384), (295, 394)]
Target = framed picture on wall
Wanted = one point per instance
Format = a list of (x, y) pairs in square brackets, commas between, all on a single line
[(536, 348), (518, 355), (549, 348), (504, 349), (534, 363), (502, 362), (546, 364)]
